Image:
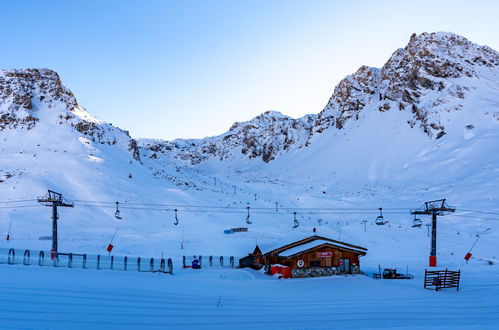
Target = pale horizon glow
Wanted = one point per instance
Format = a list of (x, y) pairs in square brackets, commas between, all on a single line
[(190, 69)]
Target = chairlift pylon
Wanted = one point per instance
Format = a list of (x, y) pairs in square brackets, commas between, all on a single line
[(416, 223), (295, 221), (380, 220), (248, 221), (117, 213), (176, 218)]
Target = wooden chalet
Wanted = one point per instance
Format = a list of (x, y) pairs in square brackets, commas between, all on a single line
[(311, 253)]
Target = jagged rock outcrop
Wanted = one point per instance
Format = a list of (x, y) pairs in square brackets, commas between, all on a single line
[(428, 78), (24, 94), (424, 78), (262, 137)]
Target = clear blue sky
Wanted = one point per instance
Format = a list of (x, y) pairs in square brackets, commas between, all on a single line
[(179, 69)]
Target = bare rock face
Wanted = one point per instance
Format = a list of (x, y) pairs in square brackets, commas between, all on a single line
[(20, 90), (428, 78), (432, 62), (424, 78), (26, 94), (262, 137), (350, 96)]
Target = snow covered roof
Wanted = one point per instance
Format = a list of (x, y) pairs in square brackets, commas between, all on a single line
[(312, 242), (311, 245)]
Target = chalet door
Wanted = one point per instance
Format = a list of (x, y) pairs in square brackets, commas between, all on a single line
[(345, 266), (346, 263), (328, 262)]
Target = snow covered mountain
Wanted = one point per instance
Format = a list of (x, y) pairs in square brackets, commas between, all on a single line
[(431, 77), (424, 126)]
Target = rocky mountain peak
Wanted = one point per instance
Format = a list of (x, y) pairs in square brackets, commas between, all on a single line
[(28, 94), (23, 91)]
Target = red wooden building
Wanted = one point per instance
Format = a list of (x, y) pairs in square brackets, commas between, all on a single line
[(312, 256)]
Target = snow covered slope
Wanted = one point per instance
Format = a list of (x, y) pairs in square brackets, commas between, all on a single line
[(424, 126)]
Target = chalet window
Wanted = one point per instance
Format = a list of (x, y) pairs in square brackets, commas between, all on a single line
[(315, 263)]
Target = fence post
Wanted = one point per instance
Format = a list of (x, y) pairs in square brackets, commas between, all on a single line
[(70, 261), (151, 265), (183, 262), (26, 258), (138, 264), (56, 259), (170, 266), (125, 263), (98, 261), (221, 261), (112, 262), (84, 262), (211, 261), (41, 256), (232, 262), (12, 257)]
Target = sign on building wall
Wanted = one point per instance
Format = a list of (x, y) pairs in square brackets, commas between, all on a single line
[(325, 254)]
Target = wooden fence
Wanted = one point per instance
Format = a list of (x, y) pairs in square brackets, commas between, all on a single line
[(441, 279)]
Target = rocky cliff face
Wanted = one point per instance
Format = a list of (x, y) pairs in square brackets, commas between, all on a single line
[(429, 77), (29, 94), (262, 137), (425, 78)]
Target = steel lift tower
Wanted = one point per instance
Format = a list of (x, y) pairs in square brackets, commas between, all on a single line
[(55, 200), (434, 208)]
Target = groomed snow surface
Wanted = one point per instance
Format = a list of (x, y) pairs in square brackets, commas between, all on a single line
[(62, 298)]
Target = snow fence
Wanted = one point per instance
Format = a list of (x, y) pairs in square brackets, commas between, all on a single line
[(209, 261), (86, 261)]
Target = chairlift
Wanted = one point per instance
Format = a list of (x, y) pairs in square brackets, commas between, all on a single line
[(117, 213), (416, 223), (295, 221), (248, 216), (176, 218), (380, 220)]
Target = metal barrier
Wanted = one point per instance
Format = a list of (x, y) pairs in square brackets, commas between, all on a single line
[(26, 258), (221, 261), (170, 266), (12, 256), (41, 256), (105, 262)]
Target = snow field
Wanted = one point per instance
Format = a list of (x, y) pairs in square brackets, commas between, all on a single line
[(49, 298)]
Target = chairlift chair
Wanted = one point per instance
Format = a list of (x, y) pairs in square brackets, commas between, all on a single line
[(117, 213), (416, 223), (248, 221), (380, 220), (295, 221), (176, 218)]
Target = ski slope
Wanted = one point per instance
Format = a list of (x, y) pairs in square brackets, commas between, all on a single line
[(59, 298)]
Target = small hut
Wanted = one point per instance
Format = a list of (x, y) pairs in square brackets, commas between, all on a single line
[(310, 257)]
